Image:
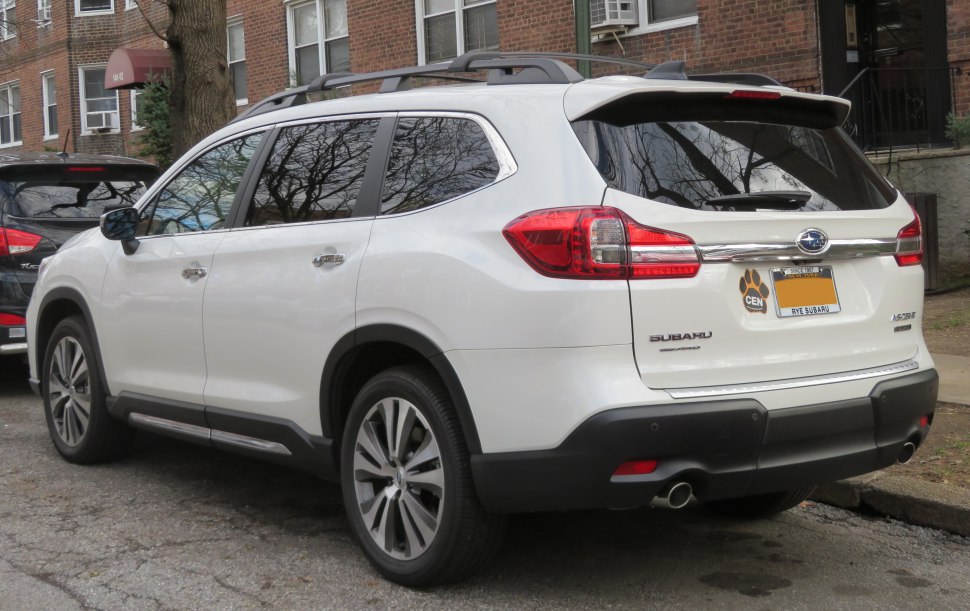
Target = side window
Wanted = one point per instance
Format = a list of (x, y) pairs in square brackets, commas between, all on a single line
[(434, 159), (314, 173), (200, 197)]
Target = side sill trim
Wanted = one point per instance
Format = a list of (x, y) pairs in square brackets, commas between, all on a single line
[(754, 387), (206, 434)]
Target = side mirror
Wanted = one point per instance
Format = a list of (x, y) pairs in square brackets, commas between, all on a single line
[(121, 224)]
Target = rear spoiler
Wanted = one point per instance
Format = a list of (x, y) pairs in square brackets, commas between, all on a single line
[(763, 105)]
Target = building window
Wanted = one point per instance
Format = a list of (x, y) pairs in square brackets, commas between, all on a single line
[(10, 115), (317, 38), (668, 10), (43, 12), (8, 14), (136, 109), (448, 28), (99, 107), (49, 88), (93, 7), (131, 4), (237, 60)]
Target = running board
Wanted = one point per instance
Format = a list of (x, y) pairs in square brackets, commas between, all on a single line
[(192, 432)]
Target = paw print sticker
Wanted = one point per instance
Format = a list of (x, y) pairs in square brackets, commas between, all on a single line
[(754, 292)]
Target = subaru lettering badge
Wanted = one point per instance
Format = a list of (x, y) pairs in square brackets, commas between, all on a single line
[(812, 241)]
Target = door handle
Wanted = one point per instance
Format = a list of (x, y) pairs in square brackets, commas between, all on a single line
[(335, 258), (194, 272)]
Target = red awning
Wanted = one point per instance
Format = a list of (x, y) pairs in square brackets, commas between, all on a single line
[(132, 68)]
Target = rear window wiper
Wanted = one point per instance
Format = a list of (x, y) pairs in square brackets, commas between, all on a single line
[(763, 199)]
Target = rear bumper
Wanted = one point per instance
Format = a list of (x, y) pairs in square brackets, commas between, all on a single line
[(724, 448)]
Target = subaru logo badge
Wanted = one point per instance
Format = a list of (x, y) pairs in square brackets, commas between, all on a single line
[(812, 241)]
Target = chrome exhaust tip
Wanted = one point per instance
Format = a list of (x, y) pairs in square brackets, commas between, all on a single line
[(909, 448), (674, 496)]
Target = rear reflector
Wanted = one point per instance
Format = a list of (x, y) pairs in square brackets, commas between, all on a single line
[(599, 243), (744, 94), (12, 320), (909, 243), (636, 467), (924, 422), (15, 242)]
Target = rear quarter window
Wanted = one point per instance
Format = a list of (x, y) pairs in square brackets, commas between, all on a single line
[(434, 159)]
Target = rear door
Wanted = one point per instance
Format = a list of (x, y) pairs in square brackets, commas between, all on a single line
[(284, 283), (796, 232)]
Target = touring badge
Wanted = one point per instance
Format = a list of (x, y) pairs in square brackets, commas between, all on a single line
[(754, 292)]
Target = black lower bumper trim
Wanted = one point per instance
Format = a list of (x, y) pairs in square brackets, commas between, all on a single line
[(725, 449)]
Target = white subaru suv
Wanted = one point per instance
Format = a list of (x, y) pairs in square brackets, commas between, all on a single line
[(534, 292)]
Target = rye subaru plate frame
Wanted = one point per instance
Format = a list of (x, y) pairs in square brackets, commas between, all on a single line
[(812, 291)]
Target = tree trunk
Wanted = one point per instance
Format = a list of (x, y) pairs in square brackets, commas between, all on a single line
[(202, 95)]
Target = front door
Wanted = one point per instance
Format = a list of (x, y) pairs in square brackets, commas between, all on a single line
[(152, 341)]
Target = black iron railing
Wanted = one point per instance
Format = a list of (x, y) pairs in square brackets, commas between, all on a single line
[(900, 107)]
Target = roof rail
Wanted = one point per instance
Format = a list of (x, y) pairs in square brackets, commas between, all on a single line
[(504, 68)]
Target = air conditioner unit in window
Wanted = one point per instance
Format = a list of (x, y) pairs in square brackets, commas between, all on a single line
[(606, 15)]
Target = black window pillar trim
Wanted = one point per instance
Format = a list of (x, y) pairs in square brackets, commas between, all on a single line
[(247, 188)]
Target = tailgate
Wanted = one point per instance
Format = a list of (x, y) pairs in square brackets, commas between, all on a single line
[(749, 316), (809, 258)]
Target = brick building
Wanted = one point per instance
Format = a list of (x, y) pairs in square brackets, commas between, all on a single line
[(901, 61)]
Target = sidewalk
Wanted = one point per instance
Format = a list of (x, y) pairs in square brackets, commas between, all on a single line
[(918, 502)]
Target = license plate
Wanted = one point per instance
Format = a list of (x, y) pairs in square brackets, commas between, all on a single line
[(804, 291)]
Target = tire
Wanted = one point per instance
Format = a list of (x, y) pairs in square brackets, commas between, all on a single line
[(410, 500), (761, 506), (74, 398)]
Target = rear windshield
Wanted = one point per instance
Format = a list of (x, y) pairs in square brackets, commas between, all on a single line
[(712, 165), (71, 196)]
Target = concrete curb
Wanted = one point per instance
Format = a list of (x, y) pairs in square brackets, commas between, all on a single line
[(912, 500)]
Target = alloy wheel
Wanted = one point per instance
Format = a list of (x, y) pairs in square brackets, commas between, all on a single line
[(399, 478), (69, 391)]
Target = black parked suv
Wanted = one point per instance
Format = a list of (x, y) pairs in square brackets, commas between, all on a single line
[(46, 198)]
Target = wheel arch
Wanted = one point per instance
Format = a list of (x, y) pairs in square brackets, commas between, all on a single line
[(58, 304), (366, 351)]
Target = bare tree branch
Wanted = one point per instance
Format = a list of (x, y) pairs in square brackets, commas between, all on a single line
[(151, 25)]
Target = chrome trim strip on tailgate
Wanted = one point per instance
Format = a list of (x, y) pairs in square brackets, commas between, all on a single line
[(839, 249), (740, 389)]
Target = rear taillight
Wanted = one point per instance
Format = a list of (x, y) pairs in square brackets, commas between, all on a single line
[(12, 320), (909, 243), (599, 243), (15, 242)]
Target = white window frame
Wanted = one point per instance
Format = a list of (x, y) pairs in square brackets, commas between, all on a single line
[(7, 33), (131, 4), (232, 22), (79, 13), (9, 85), (646, 27), (85, 130), (135, 125), (45, 77), (45, 13), (322, 39), (459, 10)]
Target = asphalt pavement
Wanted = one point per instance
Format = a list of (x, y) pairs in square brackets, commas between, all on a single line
[(916, 501)]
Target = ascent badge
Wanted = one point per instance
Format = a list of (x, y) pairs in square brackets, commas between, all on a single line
[(754, 292)]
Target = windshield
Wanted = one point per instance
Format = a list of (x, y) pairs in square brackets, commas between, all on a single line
[(702, 164), (68, 198)]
